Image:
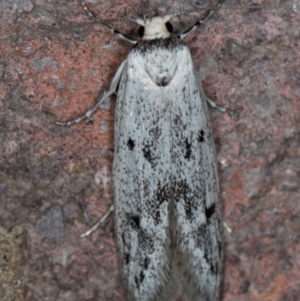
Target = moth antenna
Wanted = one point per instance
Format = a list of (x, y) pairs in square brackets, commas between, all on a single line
[(112, 30), (207, 14), (252, 6)]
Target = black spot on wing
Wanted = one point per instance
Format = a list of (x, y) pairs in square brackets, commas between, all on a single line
[(126, 258), (139, 279), (130, 144), (146, 263), (142, 276), (210, 211), (201, 136), (135, 221), (188, 149), (220, 247), (137, 283)]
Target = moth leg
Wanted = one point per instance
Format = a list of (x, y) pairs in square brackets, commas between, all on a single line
[(111, 90), (215, 106), (101, 221), (208, 13), (113, 31), (229, 230), (234, 113)]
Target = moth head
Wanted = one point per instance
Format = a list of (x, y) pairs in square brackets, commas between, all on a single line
[(155, 28)]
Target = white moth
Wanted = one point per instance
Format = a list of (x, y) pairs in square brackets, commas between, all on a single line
[(166, 191)]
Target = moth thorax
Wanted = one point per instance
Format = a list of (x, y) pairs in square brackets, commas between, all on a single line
[(155, 28)]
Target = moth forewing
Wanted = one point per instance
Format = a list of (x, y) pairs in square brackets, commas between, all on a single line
[(166, 193)]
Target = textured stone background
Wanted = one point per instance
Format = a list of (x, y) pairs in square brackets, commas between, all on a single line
[(56, 182)]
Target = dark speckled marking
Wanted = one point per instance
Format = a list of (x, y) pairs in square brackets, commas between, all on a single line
[(142, 276), (183, 191), (201, 136), (220, 247), (155, 132), (211, 266), (145, 242), (161, 195), (123, 238), (204, 242), (135, 221), (147, 152), (126, 258), (137, 283), (188, 149), (130, 144), (146, 263), (210, 211)]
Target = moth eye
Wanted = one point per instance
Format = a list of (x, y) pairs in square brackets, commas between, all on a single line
[(169, 27), (141, 31)]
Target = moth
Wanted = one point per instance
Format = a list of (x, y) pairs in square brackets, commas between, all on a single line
[(167, 209)]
